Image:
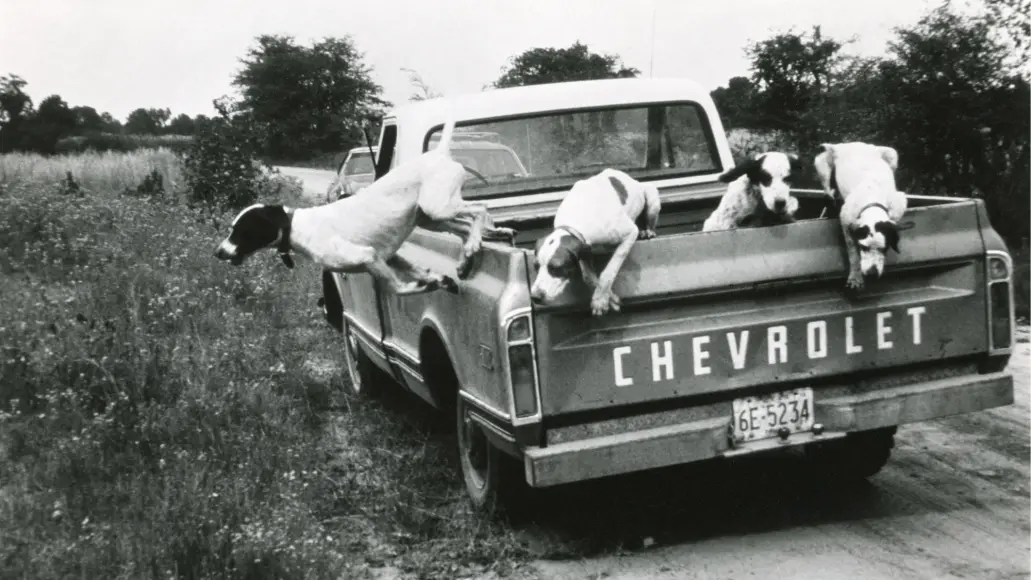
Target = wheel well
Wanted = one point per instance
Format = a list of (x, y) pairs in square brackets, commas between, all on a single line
[(437, 369), (334, 308)]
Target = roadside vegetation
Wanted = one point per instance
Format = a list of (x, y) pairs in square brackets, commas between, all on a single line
[(163, 414)]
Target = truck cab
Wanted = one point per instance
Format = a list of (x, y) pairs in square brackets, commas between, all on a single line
[(728, 343)]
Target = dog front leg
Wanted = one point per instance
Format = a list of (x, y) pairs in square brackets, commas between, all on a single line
[(603, 298), (422, 275), (855, 273), (652, 207), (385, 273)]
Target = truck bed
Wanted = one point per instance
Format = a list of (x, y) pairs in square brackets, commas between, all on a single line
[(717, 315)]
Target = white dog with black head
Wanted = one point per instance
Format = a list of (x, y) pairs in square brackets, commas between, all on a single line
[(759, 193), (362, 232), (862, 177), (598, 212)]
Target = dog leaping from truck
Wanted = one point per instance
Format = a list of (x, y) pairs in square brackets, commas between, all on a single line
[(363, 232)]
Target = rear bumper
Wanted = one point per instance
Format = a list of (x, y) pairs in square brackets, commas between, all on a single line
[(708, 438)]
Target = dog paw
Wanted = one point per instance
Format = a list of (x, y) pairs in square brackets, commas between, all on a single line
[(854, 283), (464, 267), (645, 234), (603, 302)]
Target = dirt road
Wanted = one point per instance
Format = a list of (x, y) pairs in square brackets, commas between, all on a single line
[(316, 181), (953, 502)]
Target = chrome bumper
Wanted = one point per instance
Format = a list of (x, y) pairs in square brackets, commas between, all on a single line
[(694, 441)]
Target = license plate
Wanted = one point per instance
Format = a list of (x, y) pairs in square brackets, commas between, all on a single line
[(762, 417)]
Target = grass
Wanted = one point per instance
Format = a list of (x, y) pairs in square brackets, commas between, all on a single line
[(163, 414), (101, 173)]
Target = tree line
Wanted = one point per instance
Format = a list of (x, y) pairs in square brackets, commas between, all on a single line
[(951, 96), (27, 127)]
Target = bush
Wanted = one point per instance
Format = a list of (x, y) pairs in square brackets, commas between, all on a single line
[(221, 168)]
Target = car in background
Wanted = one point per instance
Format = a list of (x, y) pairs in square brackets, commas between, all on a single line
[(355, 173)]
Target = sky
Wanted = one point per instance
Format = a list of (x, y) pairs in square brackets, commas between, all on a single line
[(118, 55)]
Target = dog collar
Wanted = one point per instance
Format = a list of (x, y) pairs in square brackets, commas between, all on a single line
[(573, 232), (869, 205), (284, 244)]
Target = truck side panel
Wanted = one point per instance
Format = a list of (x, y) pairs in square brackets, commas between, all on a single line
[(467, 323)]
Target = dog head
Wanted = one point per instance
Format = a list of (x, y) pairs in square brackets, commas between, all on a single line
[(557, 258), (771, 173), (256, 227), (874, 234)]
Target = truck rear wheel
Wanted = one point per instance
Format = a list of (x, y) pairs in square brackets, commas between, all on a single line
[(366, 378), (858, 456), (493, 480)]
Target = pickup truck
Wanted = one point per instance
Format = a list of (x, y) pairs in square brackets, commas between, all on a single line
[(728, 343)]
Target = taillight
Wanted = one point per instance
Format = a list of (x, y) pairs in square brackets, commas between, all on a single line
[(522, 367), (999, 273)]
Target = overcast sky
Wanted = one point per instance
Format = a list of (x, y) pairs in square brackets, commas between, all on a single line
[(117, 55)]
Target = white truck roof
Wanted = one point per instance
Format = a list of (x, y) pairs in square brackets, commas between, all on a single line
[(415, 120)]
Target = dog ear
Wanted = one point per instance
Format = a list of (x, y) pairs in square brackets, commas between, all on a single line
[(748, 167), (797, 168), (859, 232), (890, 156), (891, 234)]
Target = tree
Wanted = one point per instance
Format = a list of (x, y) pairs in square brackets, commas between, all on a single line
[(959, 116), (181, 125), (736, 102), (554, 65), (15, 109), (88, 120), (147, 121), (792, 74), (307, 100), (423, 90), (52, 121)]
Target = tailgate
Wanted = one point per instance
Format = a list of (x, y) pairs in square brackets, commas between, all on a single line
[(709, 313)]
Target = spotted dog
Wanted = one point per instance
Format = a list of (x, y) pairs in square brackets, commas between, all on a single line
[(759, 193), (362, 232), (601, 211), (862, 177)]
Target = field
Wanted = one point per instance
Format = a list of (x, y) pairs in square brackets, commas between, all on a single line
[(163, 414)]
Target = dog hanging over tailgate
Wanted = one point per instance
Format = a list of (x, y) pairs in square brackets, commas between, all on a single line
[(863, 175), (599, 211), (363, 232)]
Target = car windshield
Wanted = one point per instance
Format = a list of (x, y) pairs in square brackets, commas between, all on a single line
[(360, 162), (553, 150)]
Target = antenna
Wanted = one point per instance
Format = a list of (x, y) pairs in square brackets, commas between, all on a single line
[(651, 58)]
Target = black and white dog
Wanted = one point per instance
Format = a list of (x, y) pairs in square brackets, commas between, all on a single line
[(363, 232), (863, 177), (601, 211), (759, 193)]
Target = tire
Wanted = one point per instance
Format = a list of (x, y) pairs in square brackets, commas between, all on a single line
[(494, 480), (856, 457), (367, 380)]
